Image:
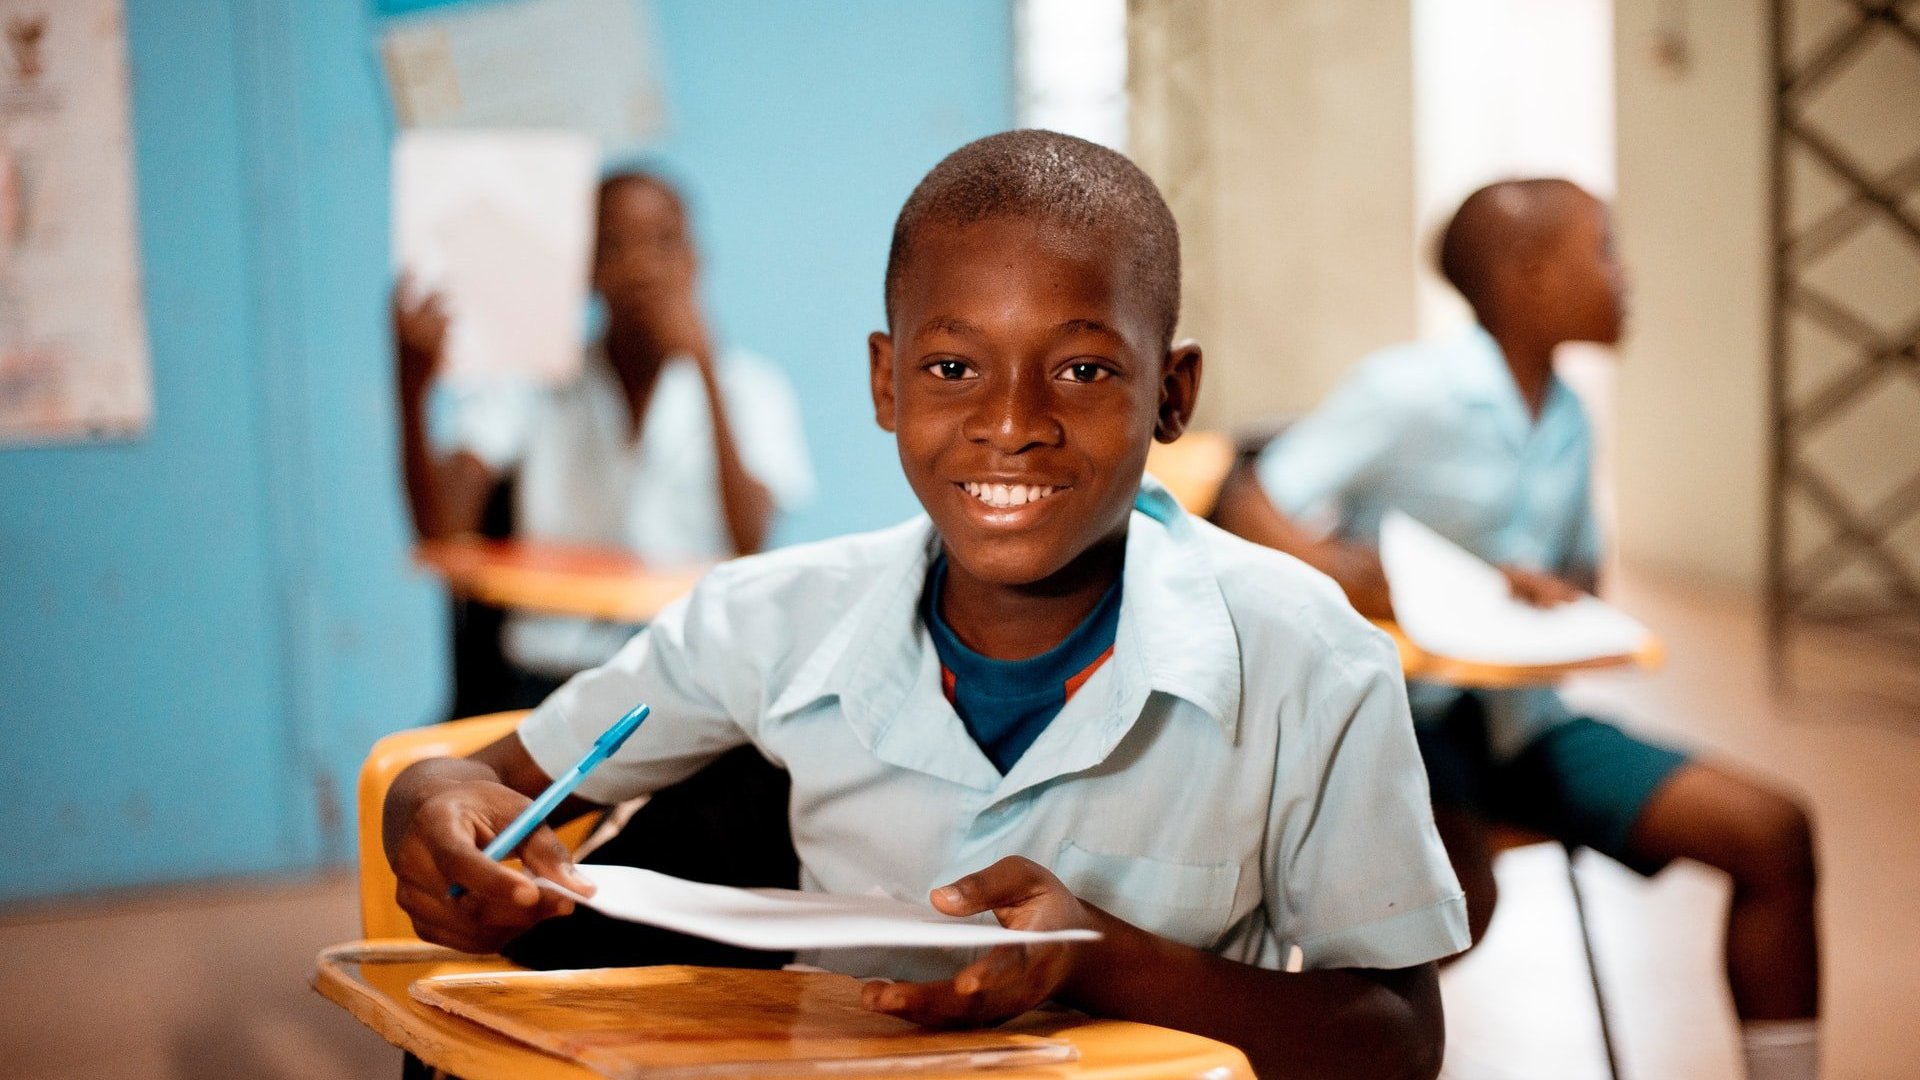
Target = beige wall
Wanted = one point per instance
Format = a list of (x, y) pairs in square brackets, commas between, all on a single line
[(1691, 448), (1282, 134)]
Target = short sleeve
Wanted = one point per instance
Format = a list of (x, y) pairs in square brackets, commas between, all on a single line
[(765, 417), (678, 666), (1363, 878), (1314, 467), (492, 421)]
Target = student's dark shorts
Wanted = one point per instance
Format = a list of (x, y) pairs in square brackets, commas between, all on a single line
[(1584, 782)]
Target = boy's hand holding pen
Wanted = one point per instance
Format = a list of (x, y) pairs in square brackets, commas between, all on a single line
[(442, 846), (457, 891)]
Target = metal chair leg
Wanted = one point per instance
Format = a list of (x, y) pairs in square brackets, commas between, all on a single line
[(1593, 966)]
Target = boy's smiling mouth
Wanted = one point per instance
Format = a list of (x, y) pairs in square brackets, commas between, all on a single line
[(1008, 496)]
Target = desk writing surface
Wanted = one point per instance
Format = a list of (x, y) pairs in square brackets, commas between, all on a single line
[(655, 1023), (372, 980), (1417, 663), (558, 579)]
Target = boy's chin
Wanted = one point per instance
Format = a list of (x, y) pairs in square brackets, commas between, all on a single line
[(1011, 564)]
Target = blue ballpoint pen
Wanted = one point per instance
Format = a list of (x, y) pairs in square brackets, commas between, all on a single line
[(536, 812)]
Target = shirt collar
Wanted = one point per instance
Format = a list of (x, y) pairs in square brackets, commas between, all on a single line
[(1175, 637), (1484, 380)]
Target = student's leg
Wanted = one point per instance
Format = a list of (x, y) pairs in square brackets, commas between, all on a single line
[(1591, 784), (1464, 833), (1763, 840), (1457, 766)]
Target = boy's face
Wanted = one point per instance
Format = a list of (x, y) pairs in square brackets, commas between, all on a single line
[(1586, 283), (642, 252), (1025, 379)]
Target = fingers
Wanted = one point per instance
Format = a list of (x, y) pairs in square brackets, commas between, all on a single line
[(546, 856), (1537, 589), (1008, 883), (1000, 986), (469, 923), (480, 876)]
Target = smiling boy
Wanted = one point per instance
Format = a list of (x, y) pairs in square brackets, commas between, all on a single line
[(1041, 698)]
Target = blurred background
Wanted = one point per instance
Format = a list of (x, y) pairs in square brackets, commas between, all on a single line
[(209, 612)]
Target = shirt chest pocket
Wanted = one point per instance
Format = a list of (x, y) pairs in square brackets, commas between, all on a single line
[(1185, 902)]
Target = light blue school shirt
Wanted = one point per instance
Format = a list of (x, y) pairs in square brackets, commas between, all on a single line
[(1240, 776), (1438, 430)]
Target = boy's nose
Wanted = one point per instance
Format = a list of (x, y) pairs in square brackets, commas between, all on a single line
[(1016, 416)]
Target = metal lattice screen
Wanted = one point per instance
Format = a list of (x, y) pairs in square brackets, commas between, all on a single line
[(1844, 536)]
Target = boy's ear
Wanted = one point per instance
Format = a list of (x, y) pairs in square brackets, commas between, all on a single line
[(880, 378), (1179, 390)]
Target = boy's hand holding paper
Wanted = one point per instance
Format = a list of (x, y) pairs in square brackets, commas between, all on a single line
[(1013, 978), (1452, 604)]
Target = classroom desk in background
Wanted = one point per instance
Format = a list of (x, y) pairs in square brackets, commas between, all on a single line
[(1417, 663), (557, 579), (371, 980)]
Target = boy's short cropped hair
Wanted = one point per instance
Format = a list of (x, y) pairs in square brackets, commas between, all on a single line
[(1503, 220), (1055, 178)]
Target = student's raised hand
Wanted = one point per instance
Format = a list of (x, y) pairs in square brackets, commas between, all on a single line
[(677, 325), (1538, 589), (419, 334), (441, 844), (1011, 979)]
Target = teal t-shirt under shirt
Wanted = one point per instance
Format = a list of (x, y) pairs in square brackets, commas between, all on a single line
[(1006, 704)]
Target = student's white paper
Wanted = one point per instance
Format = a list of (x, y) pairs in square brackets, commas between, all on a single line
[(784, 919), (500, 224), (1450, 603)]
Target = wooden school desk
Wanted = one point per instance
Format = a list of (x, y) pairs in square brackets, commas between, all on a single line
[(557, 579), (370, 979)]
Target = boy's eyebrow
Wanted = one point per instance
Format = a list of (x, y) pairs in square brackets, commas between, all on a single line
[(949, 324), (962, 328), (1085, 326)]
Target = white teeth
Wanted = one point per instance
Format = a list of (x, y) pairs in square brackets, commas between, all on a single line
[(1007, 496)]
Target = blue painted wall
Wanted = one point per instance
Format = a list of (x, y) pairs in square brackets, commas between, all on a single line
[(201, 631), (799, 129)]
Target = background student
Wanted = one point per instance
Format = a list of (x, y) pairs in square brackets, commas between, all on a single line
[(664, 446), (1476, 437), (1056, 697)]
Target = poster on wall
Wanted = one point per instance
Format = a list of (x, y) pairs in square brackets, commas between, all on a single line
[(73, 339), (579, 65)]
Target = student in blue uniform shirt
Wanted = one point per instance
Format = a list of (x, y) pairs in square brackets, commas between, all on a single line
[(1476, 437), (1055, 697), (665, 444)]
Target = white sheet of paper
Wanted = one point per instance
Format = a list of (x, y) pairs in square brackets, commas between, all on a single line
[(500, 224), (1452, 604), (784, 919)]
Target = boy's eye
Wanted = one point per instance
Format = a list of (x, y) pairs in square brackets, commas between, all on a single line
[(950, 369), (1085, 371)]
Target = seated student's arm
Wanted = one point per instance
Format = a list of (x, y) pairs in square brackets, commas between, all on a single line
[(1350, 1022), (442, 812), (1245, 511), (447, 494), (745, 503), (1361, 884)]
